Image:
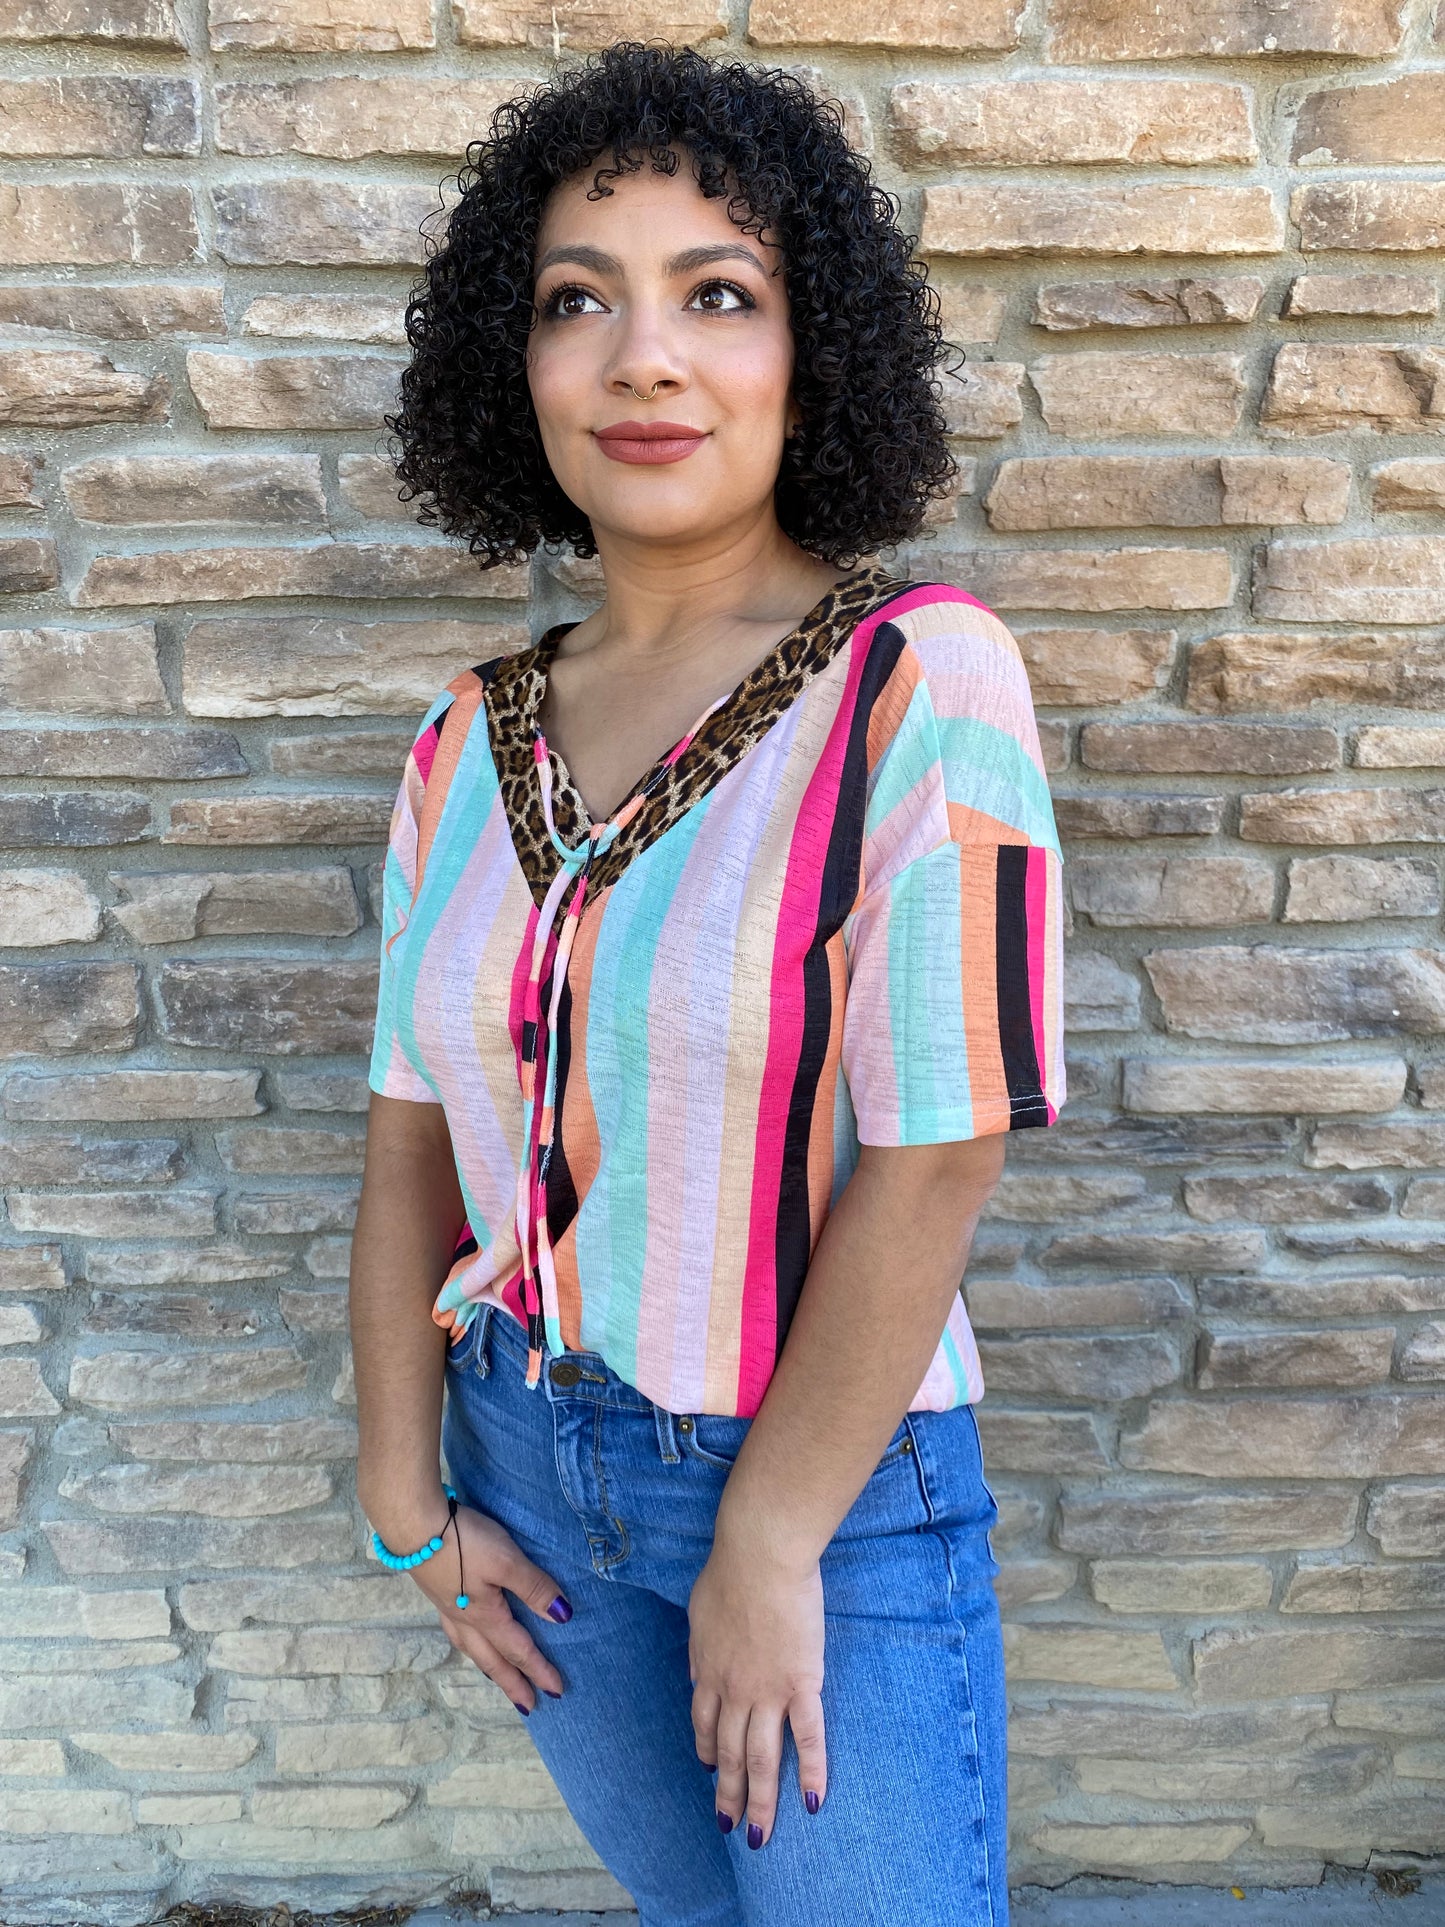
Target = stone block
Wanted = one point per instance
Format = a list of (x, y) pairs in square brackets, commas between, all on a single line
[(239, 1441), (185, 1752), (389, 569), (31, 1268), (197, 1264), (283, 1213), (196, 491), (1259, 670), (174, 906), (62, 1007), (95, 224), (1032, 123), (1412, 1144), (1243, 1664), (122, 1381), (41, 906), (308, 666), (1193, 1521), (48, 1157), (1084, 30), (1409, 484), (992, 26), (288, 817), (971, 312), (1008, 1304), (138, 311), (1145, 1248), (1257, 749), (162, 752), (1180, 301), (1090, 394), (1093, 667), (1374, 1435), (369, 486), (260, 1005), (1394, 215), (1361, 294), (375, 320), (82, 672), (111, 116), (1171, 1085), (1323, 387), (28, 564), (23, 1392), (1236, 1361), (184, 1547), (320, 26), (1170, 892), (1135, 815), (1052, 1442), (1408, 1521), (1186, 1586), (75, 388), (1398, 578), (270, 1151), (349, 1745), (528, 23), (1343, 816), (343, 752), (1273, 995), (115, 1214), (349, 117), (78, 820), (1347, 889), (981, 402), (1183, 491), (1102, 1367), (1061, 219), (301, 221), (1092, 580), (314, 391), (323, 1090), (1099, 994), (210, 1492)]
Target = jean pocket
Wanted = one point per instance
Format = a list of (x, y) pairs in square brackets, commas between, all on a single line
[(717, 1441), (463, 1350)]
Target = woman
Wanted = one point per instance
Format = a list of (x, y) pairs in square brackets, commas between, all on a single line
[(721, 947)]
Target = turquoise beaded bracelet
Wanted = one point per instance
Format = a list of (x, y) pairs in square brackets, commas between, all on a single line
[(405, 1561)]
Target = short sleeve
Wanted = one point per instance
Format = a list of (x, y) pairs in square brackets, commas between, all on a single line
[(953, 1019), (395, 1071)]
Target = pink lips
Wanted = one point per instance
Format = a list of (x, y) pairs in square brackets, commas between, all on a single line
[(649, 442)]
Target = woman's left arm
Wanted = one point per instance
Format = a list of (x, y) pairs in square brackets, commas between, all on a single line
[(868, 1320)]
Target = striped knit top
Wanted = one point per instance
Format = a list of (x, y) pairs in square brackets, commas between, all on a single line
[(831, 916)]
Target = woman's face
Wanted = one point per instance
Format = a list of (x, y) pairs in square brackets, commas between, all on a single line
[(653, 288)]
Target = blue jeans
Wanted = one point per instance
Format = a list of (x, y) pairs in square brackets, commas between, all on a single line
[(616, 1498)]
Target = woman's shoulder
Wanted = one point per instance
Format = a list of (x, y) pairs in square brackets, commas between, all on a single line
[(922, 610), (947, 638)]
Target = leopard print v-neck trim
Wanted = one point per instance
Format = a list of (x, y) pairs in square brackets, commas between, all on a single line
[(515, 685)]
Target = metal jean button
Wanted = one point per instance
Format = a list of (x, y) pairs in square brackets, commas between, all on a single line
[(565, 1374)]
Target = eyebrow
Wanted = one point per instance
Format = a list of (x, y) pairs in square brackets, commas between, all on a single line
[(599, 262)]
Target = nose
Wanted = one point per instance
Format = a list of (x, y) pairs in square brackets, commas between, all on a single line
[(645, 359)]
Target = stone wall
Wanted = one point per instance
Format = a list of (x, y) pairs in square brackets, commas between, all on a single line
[(1193, 251)]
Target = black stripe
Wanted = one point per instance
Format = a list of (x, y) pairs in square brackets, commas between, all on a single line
[(1011, 963), (561, 1187), (839, 889)]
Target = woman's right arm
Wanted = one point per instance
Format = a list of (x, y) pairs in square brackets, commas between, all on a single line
[(410, 1213)]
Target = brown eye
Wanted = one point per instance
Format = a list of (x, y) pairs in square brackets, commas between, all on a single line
[(565, 302), (722, 297)]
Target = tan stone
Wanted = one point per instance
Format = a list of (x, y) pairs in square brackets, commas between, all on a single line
[(1084, 395), (1384, 578), (343, 752), (135, 23), (56, 1007), (161, 491), (1389, 215), (1014, 123), (353, 1744), (1256, 670), (18, 476), (1364, 294), (1089, 1656), (1371, 1436), (321, 26), (82, 672), (183, 1546), (1262, 749), (1099, 994), (1317, 388), (1401, 120), (1345, 889), (1408, 1521), (39, 906), (1269, 994), (292, 391), (123, 1381), (284, 818), (389, 569), (970, 312), (1142, 30), (1344, 816), (1105, 1366), (1140, 1844), (1409, 484), (1157, 218), (75, 388), (354, 116), (1095, 666), (1416, 1145), (990, 26), (529, 23), (85, 224), (251, 1004), (1170, 1085), (115, 116), (269, 1152), (220, 1605), (31, 1268), (131, 313), (1268, 1664), (1135, 815), (1004, 1304), (216, 1492), (1170, 892), (981, 402), (1185, 301), (1096, 580), (121, 1096), (372, 319), (307, 222), (115, 1214), (1233, 1361), (307, 666), (1145, 1248), (369, 486), (1181, 491), (1187, 1586), (67, 1810), (259, 1442), (33, 1759), (23, 1392)]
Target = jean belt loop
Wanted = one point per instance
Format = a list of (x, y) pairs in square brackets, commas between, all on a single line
[(666, 1436), (482, 1354)]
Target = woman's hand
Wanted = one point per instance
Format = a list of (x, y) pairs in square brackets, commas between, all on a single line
[(486, 1630), (756, 1657)]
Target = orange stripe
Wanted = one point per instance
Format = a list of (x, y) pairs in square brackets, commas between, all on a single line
[(891, 705), (582, 1145), (460, 717), (978, 887), (820, 1126), (974, 827)]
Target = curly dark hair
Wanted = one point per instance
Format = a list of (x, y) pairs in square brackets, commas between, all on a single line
[(870, 453)]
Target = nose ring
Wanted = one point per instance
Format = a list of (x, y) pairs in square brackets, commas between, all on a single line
[(652, 391)]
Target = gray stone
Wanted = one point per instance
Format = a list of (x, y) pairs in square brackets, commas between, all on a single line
[(58, 1007), (268, 1006), (169, 753), (78, 820), (1270, 995)]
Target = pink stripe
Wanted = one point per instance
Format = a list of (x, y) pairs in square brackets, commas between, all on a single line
[(424, 750), (1036, 884), (796, 924)]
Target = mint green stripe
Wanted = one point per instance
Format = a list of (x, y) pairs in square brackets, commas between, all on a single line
[(956, 1366), (987, 769), (912, 753), (613, 1222), (930, 1049)]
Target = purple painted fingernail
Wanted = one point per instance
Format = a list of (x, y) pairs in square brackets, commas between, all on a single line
[(525, 1711), (724, 1821), (550, 1694), (560, 1610), (709, 1768), (755, 1834), (810, 1800)]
